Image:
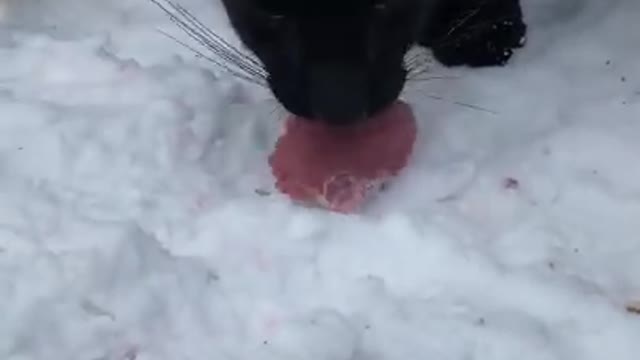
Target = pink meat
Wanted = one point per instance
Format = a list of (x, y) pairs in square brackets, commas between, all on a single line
[(340, 168)]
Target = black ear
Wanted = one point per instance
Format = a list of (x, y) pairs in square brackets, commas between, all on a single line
[(474, 32)]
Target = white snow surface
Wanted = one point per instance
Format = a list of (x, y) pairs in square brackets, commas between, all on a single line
[(131, 228)]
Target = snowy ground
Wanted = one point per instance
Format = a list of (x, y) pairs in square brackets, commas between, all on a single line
[(130, 226)]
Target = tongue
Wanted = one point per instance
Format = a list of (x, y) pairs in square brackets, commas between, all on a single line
[(340, 168)]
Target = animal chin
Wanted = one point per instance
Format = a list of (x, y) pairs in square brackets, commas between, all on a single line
[(338, 121), (347, 121)]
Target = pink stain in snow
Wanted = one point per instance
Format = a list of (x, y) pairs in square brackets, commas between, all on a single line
[(262, 262), (203, 201)]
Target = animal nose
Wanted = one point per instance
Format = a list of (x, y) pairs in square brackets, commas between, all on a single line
[(338, 93)]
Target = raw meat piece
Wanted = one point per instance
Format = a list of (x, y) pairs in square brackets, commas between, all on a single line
[(340, 168)]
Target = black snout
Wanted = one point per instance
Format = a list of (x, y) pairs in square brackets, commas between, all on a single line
[(338, 93)]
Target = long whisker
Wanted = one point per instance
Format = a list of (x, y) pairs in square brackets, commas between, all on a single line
[(200, 33), (213, 60), (224, 54), (430, 78), (459, 103), (450, 36), (417, 62), (237, 54)]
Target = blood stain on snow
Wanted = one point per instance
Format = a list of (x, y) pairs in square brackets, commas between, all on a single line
[(262, 262), (203, 201)]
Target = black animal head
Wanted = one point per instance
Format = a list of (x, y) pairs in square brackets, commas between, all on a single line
[(337, 61)]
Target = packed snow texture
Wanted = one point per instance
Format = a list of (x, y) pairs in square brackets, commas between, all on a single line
[(138, 221)]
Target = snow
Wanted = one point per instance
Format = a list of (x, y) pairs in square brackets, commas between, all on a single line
[(135, 219)]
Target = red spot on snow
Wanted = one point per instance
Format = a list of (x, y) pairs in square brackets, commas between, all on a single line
[(202, 202), (271, 325), (262, 262), (339, 168)]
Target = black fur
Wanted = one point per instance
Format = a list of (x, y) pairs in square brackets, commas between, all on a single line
[(341, 61)]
